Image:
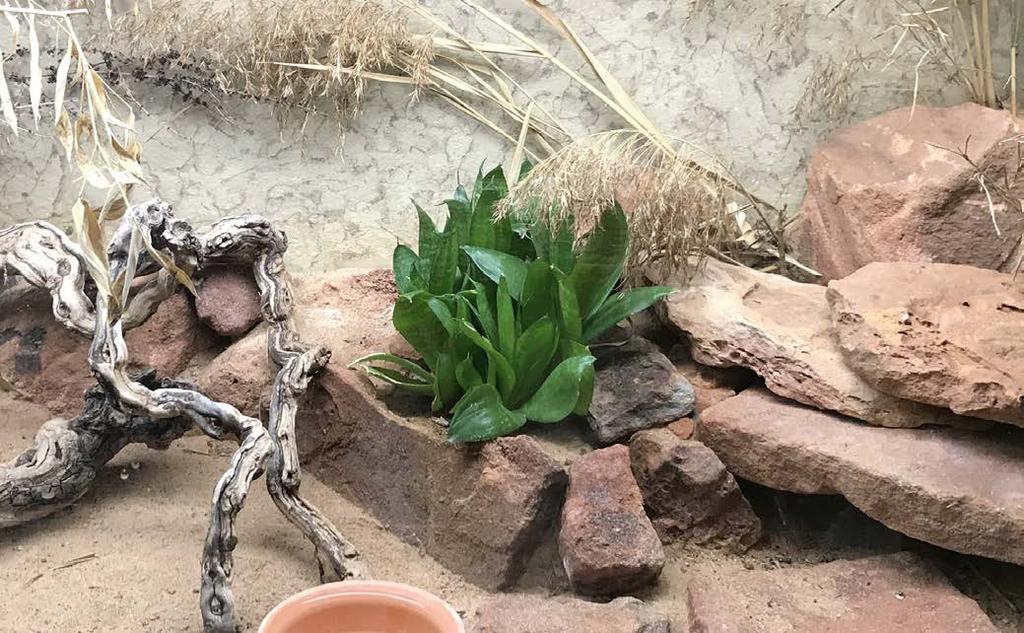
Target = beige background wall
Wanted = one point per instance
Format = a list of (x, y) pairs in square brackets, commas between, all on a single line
[(731, 76)]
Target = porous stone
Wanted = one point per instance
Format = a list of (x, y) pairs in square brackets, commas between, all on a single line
[(636, 387), (228, 301), (941, 334), (689, 494), (898, 592), (608, 544), (782, 330), (957, 489), (519, 613), (891, 189)]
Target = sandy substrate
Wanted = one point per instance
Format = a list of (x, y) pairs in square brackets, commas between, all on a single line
[(132, 545), (125, 558)]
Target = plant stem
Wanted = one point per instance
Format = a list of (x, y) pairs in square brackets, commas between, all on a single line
[(986, 37)]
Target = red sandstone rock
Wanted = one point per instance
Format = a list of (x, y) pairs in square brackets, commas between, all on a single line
[(940, 334), (957, 489), (608, 544), (349, 314), (684, 428), (689, 494), (48, 364), (898, 593), (229, 301), (782, 330), (480, 511), (512, 613), (886, 190)]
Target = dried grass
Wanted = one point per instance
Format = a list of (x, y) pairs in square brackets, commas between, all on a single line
[(675, 209), (250, 48), (955, 36)]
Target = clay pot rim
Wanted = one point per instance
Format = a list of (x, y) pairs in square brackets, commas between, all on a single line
[(372, 587)]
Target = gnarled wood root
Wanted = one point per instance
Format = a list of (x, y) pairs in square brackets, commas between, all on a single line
[(123, 409)]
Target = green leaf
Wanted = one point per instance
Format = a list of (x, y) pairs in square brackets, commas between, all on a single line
[(444, 263), (403, 262), (536, 300), (487, 190), (495, 265), (559, 394), (561, 255), (446, 384), (399, 379), (467, 374), (480, 416), (416, 322), (571, 349), (506, 376), (534, 351), (485, 313), (600, 264), (443, 314), (406, 364), (428, 234), (506, 320), (568, 308), (620, 306)]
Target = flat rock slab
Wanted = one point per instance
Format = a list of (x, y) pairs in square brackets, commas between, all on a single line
[(608, 544), (480, 510), (512, 613), (636, 387), (942, 334), (898, 593), (890, 189), (689, 494), (956, 489), (782, 330)]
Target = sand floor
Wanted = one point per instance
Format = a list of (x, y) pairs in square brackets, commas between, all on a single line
[(126, 556), (138, 535)]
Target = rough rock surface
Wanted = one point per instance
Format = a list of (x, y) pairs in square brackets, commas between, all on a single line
[(689, 494), (883, 594), (710, 385), (941, 334), (783, 331), (229, 301), (481, 511), (608, 544), (48, 364), (349, 313), (512, 613), (636, 387), (956, 489), (886, 190)]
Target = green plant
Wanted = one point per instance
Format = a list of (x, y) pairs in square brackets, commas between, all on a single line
[(502, 311)]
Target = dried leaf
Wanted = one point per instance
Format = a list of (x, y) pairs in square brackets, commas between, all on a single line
[(61, 82), (89, 235), (35, 71), (517, 155), (6, 105), (64, 134), (123, 284), (15, 27), (168, 264)]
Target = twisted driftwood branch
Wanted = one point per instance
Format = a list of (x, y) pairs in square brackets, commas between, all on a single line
[(125, 409)]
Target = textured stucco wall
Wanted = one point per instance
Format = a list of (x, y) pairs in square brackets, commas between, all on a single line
[(730, 76)]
